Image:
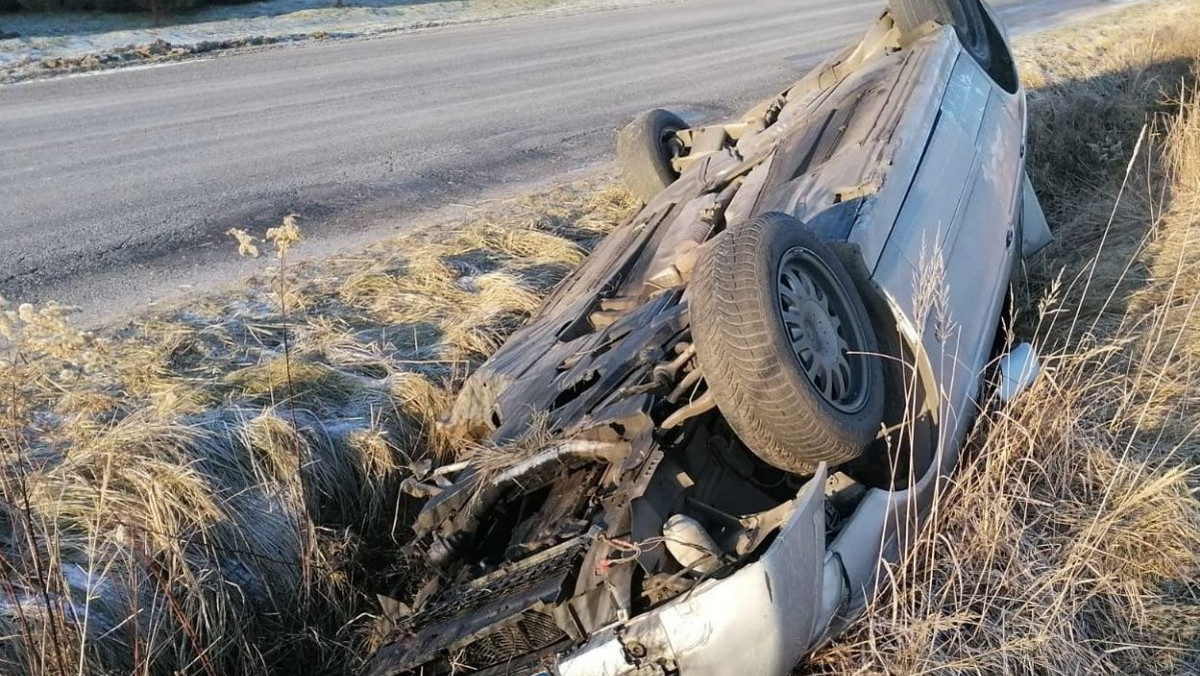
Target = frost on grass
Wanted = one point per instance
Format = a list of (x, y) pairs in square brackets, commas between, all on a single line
[(80, 41), (202, 491)]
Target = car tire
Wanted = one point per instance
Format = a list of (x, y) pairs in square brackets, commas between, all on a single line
[(967, 17), (644, 152), (761, 295)]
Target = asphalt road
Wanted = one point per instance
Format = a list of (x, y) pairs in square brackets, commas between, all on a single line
[(116, 188)]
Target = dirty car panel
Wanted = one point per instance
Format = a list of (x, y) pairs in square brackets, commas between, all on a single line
[(618, 525)]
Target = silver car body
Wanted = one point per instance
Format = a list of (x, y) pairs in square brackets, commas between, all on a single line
[(765, 618), (914, 166)]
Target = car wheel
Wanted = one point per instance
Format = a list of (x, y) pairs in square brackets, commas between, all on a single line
[(966, 16), (785, 345), (645, 148)]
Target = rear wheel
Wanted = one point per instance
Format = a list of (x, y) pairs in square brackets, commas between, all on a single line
[(965, 16), (785, 345), (645, 148)]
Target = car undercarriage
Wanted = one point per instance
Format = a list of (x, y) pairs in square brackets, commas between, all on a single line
[(617, 516)]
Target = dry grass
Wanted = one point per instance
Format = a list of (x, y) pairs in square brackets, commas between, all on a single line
[(1070, 543), (215, 490), (203, 491)]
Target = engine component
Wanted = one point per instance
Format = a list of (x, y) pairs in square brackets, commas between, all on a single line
[(691, 545)]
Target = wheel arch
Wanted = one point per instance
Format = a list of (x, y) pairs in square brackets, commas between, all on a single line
[(995, 54), (911, 392), (1003, 70)]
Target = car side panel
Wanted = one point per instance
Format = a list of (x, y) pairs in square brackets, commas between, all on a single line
[(905, 128), (982, 252), (946, 264)]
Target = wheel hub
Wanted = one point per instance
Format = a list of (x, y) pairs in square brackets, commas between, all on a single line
[(818, 332), (814, 307)]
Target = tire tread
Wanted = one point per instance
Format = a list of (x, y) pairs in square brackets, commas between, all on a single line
[(786, 425), (644, 167)]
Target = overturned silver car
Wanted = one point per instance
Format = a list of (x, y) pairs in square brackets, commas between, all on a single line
[(741, 404)]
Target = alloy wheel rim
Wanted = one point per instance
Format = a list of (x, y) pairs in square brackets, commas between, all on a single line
[(820, 325)]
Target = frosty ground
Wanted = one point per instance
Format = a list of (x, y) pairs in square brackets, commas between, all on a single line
[(65, 41)]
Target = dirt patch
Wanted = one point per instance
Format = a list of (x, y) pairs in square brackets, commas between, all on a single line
[(159, 51)]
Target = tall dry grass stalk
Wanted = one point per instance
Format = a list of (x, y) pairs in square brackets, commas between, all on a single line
[(1069, 541)]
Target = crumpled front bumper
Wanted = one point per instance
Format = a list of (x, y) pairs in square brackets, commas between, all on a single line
[(759, 621)]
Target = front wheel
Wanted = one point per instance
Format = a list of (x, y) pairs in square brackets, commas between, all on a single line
[(786, 346)]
